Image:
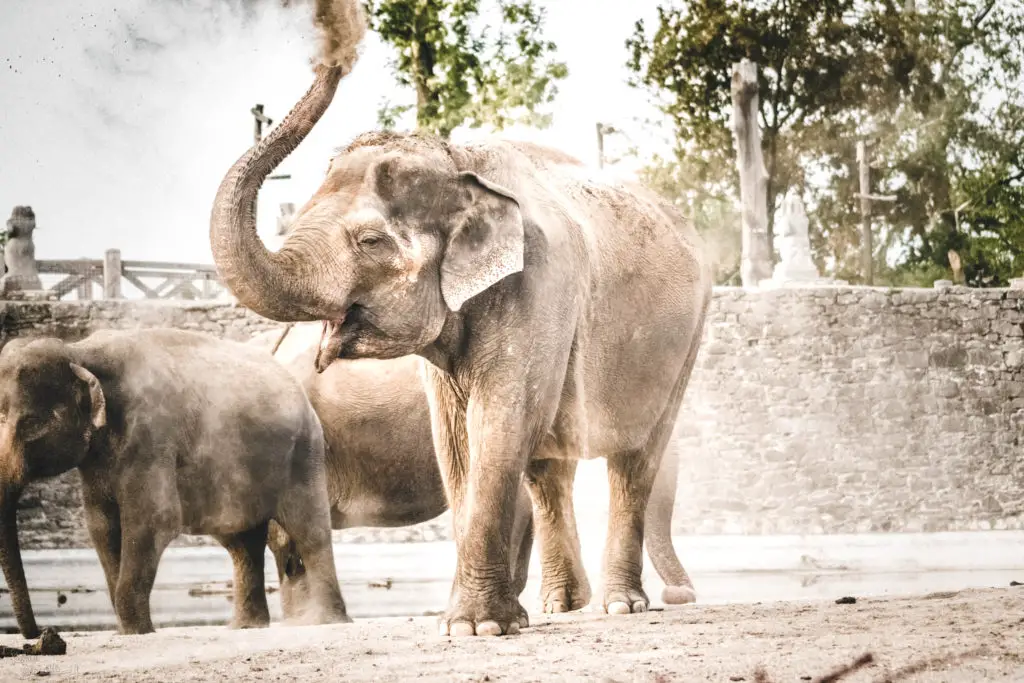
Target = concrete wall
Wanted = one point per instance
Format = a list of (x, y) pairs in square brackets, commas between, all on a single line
[(811, 411)]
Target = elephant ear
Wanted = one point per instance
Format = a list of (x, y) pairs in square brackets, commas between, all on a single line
[(486, 242), (97, 401), (13, 345)]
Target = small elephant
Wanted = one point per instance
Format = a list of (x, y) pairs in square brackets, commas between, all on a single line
[(383, 471), (172, 432)]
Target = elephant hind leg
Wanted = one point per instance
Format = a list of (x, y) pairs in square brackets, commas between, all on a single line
[(564, 584), (658, 535), (633, 477), (304, 515), (658, 524), (247, 556)]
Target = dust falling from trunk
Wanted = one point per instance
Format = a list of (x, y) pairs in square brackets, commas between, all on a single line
[(342, 26)]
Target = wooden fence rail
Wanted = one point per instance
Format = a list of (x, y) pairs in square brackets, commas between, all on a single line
[(174, 280)]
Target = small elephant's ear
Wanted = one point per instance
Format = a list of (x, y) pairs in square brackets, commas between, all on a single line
[(486, 242), (96, 398), (14, 344)]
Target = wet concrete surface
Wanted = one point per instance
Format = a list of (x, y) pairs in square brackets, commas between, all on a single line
[(68, 589)]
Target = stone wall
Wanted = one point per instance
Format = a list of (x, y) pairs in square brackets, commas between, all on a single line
[(821, 410), (835, 410)]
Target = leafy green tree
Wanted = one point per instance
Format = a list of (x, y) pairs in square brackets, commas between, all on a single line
[(465, 73), (836, 71)]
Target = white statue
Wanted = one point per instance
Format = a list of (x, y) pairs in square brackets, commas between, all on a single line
[(793, 242), (284, 221)]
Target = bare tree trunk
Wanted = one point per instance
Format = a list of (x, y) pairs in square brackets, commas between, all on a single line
[(755, 262), (866, 247)]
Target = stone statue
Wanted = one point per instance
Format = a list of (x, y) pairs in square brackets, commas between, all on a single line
[(793, 242), (20, 252)]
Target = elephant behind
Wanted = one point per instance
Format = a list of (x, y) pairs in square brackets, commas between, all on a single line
[(381, 465)]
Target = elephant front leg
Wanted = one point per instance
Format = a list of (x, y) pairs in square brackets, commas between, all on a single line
[(103, 522), (564, 584), (483, 601), (483, 497), (140, 556)]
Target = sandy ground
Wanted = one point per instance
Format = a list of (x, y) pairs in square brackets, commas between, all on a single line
[(792, 641)]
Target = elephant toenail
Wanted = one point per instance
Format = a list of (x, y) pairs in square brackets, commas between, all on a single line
[(618, 608), (489, 628)]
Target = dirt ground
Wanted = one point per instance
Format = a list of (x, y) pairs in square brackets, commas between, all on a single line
[(788, 641)]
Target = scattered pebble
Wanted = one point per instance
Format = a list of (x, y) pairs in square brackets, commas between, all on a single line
[(49, 643), (846, 600), (61, 599)]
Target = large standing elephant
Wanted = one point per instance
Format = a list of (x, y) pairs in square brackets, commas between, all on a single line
[(382, 471), (560, 312), (172, 432)]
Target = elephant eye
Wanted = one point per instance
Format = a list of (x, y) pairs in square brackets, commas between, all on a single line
[(371, 239)]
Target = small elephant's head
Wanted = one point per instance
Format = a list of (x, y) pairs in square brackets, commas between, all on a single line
[(50, 407), (399, 236)]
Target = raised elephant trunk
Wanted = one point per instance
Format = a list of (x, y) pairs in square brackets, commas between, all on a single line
[(271, 284), (282, 286), (10, 559)]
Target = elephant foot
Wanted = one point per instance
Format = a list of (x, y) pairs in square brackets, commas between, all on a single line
[(624, 599), (317, 616), (249, 621), (135, 629), (524, 617), (678, 595), (559, 599), (480, 617)]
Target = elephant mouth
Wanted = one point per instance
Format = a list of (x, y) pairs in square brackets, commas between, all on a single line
[(337, 334), (331, 340)]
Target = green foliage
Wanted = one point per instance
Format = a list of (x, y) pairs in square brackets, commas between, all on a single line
[(468, 75), (937, 94)]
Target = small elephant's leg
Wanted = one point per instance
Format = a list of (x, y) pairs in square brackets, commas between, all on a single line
[(103, 522), (247, 556), (564, 584), (142, 545), (305, 517)]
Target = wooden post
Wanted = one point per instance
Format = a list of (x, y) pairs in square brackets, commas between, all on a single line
[(84, 289), (866, 247), (755, 261), (112, 274), (600, 145), (259, 119)]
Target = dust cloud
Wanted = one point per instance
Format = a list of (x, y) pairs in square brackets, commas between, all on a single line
[(342, 27), (119, 117)]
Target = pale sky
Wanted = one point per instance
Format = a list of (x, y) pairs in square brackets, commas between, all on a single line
[(120, 147)]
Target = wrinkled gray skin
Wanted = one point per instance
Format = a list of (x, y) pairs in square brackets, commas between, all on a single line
[(381, 468), (560, 313), (173, 432), (382, 471)]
